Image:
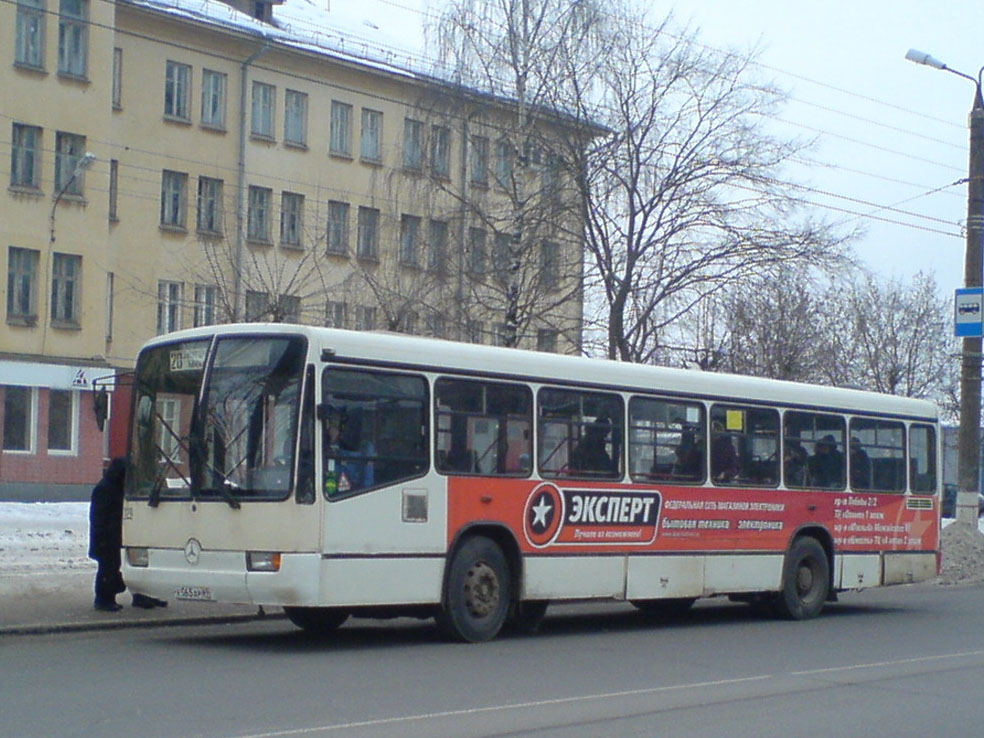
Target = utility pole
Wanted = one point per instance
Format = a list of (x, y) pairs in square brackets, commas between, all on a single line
[(968, 438)]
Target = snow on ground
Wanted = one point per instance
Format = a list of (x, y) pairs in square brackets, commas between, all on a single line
[(52, 538)]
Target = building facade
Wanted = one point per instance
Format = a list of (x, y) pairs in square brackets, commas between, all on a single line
[(172, 167)]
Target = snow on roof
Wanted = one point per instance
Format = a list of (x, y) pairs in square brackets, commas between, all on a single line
[(345, 32)]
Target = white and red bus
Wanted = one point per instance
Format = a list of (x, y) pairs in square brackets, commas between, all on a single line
[(339, 473)]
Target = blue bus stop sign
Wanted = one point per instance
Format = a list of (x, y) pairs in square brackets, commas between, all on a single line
[(967, 314)]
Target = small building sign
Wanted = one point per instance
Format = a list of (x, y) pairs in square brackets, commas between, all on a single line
[(967, 314)]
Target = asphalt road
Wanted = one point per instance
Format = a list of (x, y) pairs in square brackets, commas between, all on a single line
[(894, 662)]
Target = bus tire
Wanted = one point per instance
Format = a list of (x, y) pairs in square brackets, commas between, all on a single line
[(477, 592), (318, 621), (670, 607), (805, 581)]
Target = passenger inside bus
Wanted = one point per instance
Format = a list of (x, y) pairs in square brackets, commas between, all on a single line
[(724, 458), (590, 454), (459, 457), (860, 465), (826, 466), (688, 458), (348, 464), (795, 461)]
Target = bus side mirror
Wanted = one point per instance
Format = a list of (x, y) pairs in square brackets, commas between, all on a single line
[(100, 406)]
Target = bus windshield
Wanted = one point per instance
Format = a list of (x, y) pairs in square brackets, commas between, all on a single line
[(239, 444)]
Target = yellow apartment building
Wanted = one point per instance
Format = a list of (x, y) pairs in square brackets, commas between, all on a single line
[(180, 163)]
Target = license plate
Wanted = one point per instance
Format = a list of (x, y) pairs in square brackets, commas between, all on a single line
[(200, 594)]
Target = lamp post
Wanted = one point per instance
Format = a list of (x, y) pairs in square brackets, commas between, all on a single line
[(968, 449), (81, 165)]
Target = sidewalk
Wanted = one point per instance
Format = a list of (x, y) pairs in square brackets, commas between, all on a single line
[(51, 602)]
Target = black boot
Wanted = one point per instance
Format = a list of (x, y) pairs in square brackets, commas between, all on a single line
[(147, 602), (107, 605)]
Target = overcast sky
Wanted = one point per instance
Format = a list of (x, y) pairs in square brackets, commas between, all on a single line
[(888, 131)]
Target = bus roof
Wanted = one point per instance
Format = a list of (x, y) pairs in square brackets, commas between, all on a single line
[(433, 354)]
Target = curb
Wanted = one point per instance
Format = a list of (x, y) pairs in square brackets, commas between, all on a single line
[(46, 629)]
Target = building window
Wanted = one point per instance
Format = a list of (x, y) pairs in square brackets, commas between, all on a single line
[(61, 420), (291, 218), (290, 308), (413, 145), (501, 257), (117, 78), (437, 242), (546, 340), (372, 135), (65, 286), (549, 265), (205, 297), (173, 198), (503, 163), (22, 284), (475, 331), (365, 318), (258, 214), (340, 139), (25, 157), (114, 189), (264, 97), (480, 160), (500, 334), (18, 418), (441, 151), (335, 314), (338, 216), (168, 306), (476, 250), (368, 246), (177, 91), (69, 150), (409, 238), (73, 42), (257, 305), (213, 98), (110, 293), (209, 205), (295, 117), (437, 325), (29, 36)]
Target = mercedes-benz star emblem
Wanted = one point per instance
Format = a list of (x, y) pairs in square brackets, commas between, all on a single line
[(192, 550)]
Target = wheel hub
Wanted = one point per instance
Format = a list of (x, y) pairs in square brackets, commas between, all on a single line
[(804, 579), (481, 590)]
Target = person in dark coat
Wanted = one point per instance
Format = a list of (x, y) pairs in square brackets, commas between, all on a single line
[(106, 540), (106, 535)]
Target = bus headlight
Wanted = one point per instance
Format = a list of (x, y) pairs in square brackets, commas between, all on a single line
[(136, 556), (262, 561)]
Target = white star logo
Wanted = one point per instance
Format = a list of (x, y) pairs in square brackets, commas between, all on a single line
[(540, 511)]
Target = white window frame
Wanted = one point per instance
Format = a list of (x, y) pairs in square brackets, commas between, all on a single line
[(479, 161), (69, 150), (340, 133), (371, 142), (337, 241), (117, 90), (263, 109), (368, 234), (31, 421), (30, 33), (336, 313), (177, 91), (174, 199), (291, 219), (73, 38), (295, 118), (73, 438), (206, 297), (213, 99), (25, 156), (410, 240), (16, 274), (66, 289), (440, 160), (210, 200), (259, 213), (169, 297), (413, 145)]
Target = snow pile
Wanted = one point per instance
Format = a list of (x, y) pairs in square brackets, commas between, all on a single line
[(963, 555)]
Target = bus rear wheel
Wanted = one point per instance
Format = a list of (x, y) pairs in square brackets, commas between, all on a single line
[(318, 621), (805, 581), (477, 592)]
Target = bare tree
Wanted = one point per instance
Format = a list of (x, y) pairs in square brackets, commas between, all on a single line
[(515, 49), (683, 197)]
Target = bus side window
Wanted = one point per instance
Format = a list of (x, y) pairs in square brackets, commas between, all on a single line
[(580, 434), (666, 440), (813, 450), (744, 446), (922, 458), (883, 443), (483, 427)]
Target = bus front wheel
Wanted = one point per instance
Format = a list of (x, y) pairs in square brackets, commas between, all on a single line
[(318, 621), (476, 597), (805, 581)]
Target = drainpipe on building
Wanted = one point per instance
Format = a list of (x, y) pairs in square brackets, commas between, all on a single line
[(237, 257)]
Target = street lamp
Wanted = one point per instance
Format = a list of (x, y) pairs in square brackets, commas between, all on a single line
[(80, 166), (968, 449)]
